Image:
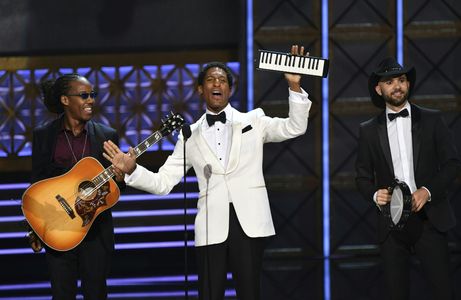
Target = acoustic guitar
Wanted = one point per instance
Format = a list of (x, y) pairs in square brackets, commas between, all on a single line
[(62, 209)]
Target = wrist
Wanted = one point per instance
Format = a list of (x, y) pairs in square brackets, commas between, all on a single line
[(132, 169), (295, 86)]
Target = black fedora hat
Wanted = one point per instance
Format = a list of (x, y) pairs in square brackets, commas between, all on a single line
[(389, 67)]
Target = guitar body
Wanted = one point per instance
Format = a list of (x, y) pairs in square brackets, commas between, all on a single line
[(62, 209)]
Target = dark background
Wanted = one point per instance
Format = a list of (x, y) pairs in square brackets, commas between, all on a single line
[(90, 36), (101, 26)]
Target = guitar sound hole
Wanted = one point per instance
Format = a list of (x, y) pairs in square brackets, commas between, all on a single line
[(86, 190)]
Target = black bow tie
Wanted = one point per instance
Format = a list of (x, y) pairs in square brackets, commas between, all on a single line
[(211, 119), (402, 113)]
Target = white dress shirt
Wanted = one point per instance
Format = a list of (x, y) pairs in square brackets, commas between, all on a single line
[(219, 135), (401, 144), (400, 141)]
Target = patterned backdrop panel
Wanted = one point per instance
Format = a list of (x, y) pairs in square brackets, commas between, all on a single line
[(131, 99)]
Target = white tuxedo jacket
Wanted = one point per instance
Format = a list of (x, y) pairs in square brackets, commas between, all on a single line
[(242, 182)]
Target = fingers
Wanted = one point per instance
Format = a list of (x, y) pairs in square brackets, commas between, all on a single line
[(111, 149), (416, 205), (107, 157), (131, 152), (118, 172), (418, 199), (383, 197), (298, 50)]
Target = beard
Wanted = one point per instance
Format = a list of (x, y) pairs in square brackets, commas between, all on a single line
[(395, 101)]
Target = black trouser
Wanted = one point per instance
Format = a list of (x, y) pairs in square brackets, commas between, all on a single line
[(242, 254), (89, 261), (432, 251)]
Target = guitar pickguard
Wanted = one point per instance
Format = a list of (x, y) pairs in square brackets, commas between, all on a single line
[(86, 205)]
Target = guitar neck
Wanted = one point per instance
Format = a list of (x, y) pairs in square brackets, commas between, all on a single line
[(108, 173), (149, 141)]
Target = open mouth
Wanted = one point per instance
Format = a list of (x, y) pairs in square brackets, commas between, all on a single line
[(216, 93)]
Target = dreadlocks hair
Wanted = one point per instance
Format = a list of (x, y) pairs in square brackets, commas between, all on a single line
[(216, 64), (52, 90)]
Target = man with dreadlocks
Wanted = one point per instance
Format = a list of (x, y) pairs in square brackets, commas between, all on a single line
[(56, 148)]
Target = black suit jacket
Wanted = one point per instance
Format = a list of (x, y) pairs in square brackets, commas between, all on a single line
[(435, 161), (43, 166)]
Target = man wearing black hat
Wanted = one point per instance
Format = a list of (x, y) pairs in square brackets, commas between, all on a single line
[(414, 145)]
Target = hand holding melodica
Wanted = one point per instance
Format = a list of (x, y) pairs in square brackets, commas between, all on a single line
[(126, 163), (294, 80)]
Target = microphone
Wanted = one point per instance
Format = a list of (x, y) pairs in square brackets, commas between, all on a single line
[(186, 132), (207, 171)]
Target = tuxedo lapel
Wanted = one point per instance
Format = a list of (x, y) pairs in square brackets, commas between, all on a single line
[(235, 147), (415, 133), (384, 141), (207, 153)]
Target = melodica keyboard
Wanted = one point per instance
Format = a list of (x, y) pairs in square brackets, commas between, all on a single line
[(288, 63)]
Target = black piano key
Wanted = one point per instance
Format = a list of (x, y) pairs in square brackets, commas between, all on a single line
[(271, 58), (304, 62), (299, 62), (317, 64)]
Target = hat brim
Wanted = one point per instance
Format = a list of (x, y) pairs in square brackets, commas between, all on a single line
[(377, 100)]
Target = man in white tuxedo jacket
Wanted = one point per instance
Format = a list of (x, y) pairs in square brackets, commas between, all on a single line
[(226, 151)]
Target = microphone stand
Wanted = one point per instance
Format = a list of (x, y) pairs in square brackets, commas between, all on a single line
[(207, 172), (186, 134), (186, 279)]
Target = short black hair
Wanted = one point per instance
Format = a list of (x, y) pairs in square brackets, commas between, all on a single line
[(216, 64), (52, 90)]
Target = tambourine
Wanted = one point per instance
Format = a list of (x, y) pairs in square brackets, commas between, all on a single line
[(399, 208)]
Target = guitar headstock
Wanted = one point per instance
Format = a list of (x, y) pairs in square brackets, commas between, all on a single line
[(173, 122)]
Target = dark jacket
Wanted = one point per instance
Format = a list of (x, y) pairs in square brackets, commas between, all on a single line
[(435, 161), (43, 166)]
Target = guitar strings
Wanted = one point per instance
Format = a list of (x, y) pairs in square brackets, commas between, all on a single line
[(174, 125)]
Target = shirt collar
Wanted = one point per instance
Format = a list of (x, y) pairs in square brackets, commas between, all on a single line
[(85, 128), (407, 106), (229, 114)]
